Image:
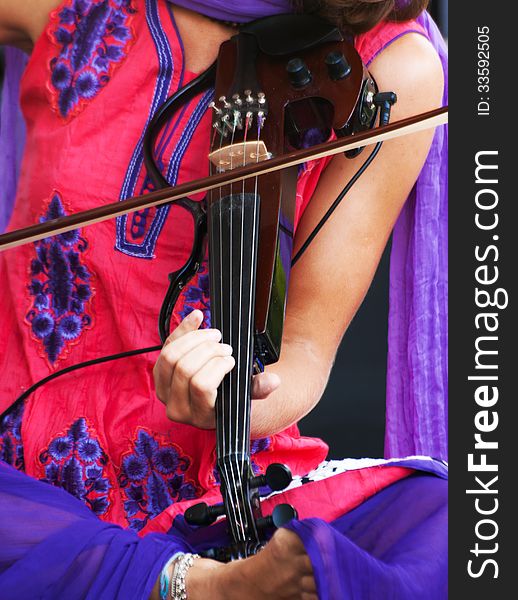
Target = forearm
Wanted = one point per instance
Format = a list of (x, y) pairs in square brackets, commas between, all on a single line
[(304, 373)]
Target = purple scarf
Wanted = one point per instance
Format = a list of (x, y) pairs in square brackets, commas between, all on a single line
[(417, 371), (394, 545), (237, 11), (417, 361)]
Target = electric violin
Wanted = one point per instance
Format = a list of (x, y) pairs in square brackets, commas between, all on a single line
[(275, 82)]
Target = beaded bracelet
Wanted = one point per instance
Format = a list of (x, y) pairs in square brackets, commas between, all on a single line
[(165, 577), (182, 564)]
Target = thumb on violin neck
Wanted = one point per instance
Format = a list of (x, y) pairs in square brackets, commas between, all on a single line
[(264, 384)]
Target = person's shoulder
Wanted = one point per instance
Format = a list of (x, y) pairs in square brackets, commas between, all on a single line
[(21, 23), (411, 67)]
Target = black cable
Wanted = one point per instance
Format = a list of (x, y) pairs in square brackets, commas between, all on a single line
[(335, 204), (384, 101), (87, 363)]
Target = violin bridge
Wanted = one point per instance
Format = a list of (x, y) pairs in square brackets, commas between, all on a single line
[(238, 155)]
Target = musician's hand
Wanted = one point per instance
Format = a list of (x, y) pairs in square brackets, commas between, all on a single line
[(192, 364), (281, 571)]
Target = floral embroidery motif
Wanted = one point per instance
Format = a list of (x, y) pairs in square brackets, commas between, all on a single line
[(153, 477), (11, 446), (260, 445), (93, 36), (196, 296), (60, 287), (75, 462)]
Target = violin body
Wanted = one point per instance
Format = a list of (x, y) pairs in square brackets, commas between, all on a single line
[(258, 61), (276, 80)]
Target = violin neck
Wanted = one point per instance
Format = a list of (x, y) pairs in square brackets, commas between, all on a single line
[(233, 226)]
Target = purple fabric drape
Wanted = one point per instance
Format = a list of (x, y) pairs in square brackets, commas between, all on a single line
[(12, 132), (237, 11), (53, 547), (352, 560), (417, 403)]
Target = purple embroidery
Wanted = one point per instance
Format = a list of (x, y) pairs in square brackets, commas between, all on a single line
[(153, 477), (145, 226), (60, 287), (11, 445), (260, 445), (75, 462), (93, 36), (196, 296)]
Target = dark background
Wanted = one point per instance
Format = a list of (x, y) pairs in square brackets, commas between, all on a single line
[(351, 415)]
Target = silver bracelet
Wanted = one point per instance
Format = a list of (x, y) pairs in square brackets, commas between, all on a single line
[(182, 564)]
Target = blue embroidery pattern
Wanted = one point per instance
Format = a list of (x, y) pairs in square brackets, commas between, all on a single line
[(196, 296), (75, 462), (153, 477), (93, 36), (60, 287), (11, 446), (138, 237)]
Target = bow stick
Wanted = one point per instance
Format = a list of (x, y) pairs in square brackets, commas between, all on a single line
[(40, 231)]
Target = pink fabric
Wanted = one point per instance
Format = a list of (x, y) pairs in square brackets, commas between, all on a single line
[(101, 433), (111, 298)]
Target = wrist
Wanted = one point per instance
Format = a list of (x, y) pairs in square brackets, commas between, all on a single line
[(208, 579)]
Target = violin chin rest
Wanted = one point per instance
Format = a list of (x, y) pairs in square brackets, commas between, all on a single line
[(280, 35)]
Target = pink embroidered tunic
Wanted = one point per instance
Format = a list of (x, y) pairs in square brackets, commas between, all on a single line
[(95, 78)]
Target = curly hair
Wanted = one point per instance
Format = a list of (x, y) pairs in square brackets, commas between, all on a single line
[(358, 16)]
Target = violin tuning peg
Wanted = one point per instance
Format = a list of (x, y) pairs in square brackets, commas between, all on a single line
[(217, 110), (202, 514), (277, 477), (282, 514), (225, 102)]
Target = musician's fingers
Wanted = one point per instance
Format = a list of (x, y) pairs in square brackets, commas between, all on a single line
[(202, 394), (189, 365), (173, 352), (197, 358), (308, 584), (264, 384), (190, 323)]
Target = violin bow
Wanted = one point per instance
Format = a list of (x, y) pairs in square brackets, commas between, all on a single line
[(98, 214)]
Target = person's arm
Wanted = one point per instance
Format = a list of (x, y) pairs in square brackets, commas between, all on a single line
[(21, 23), (331, 279)]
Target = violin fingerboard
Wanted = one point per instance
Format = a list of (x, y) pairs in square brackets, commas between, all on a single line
[(233, 225)]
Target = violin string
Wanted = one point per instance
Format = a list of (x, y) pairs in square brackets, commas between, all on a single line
[(217, 255), (256, 204), (229, 481), (238, 350), (221, 441), (249, 308), (220, 259), (247, 353)]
